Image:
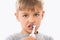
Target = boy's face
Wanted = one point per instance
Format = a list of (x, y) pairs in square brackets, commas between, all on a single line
[(28, 18)]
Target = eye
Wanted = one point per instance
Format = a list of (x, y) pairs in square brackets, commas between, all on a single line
[(25, 15), (36, 14)]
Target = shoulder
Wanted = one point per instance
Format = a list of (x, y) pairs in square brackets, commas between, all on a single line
[(44, 37), (13, 37), (48, 37)]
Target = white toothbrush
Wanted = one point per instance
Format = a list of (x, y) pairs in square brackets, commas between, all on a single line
[(32, 34)]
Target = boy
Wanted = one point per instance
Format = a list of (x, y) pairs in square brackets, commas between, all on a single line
[(29, 13)]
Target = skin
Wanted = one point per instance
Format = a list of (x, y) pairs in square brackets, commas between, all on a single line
[(26, 17)]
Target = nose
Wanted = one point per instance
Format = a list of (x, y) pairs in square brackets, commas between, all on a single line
[(31, 19)]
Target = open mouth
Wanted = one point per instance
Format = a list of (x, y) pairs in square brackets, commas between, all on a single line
[(30, 26)]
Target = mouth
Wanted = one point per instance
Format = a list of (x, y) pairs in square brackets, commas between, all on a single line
[(30, 27)]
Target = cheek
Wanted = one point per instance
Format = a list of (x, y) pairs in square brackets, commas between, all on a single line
[(38, 22), (20, 19), (23, 22)]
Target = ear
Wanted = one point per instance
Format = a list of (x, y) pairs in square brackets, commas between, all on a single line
[(43, 13), (17, 17)]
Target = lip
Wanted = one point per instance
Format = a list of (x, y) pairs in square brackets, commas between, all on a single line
[(30, 26)]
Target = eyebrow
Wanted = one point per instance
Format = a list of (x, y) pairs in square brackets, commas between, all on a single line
[(37, 12), (24, 13), (28, 13)]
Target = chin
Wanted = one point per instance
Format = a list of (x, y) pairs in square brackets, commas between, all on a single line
[(29, 31)]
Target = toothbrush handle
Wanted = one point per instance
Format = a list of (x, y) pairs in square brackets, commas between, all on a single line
[(32, 34), (33, 30)]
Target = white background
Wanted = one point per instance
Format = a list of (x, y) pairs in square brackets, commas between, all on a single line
[(50, 24)]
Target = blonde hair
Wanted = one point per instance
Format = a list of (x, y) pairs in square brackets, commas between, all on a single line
[(28, 4)]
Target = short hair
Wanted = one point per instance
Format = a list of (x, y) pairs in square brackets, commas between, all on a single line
[(28, 4)]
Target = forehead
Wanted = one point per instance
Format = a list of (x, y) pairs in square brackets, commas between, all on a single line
[(30, 10)]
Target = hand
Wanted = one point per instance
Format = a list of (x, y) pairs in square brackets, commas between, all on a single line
[(29, 38)]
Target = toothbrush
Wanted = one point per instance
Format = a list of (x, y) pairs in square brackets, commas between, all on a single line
[(32, 34)]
